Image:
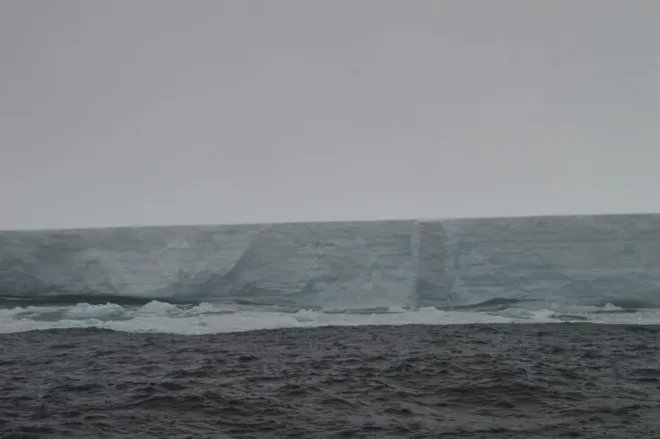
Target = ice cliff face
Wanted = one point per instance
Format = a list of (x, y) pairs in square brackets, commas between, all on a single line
[(359, 264)]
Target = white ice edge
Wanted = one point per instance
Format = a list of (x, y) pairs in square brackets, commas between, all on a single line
[(206, 318)]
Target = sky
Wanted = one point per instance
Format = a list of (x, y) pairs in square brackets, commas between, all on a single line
[(130, 112)]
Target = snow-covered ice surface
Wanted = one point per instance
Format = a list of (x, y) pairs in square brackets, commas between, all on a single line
[(206, 279)]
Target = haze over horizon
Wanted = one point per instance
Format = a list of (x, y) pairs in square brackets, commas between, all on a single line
[(166, 112)]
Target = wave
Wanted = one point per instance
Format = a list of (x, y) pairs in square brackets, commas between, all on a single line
[(204, 318), (92, 299), (472, 264), (618, 304)]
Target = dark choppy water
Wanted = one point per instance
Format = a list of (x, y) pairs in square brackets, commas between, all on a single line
[(490, 381)]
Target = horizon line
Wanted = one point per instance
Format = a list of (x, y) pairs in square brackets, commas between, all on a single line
[(293, 222)]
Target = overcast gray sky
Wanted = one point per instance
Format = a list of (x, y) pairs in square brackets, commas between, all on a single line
[(126, 112)]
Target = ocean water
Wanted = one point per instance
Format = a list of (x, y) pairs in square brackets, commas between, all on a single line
[(209, 279), (492, 328), (415, 381)]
